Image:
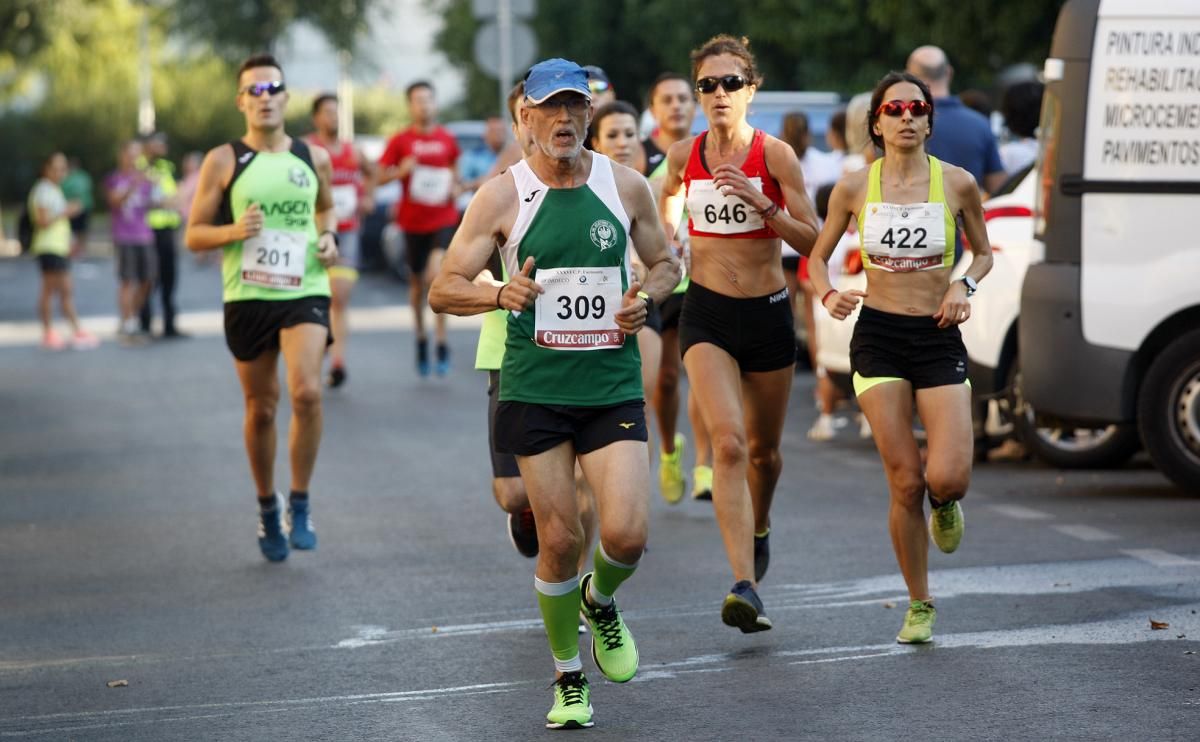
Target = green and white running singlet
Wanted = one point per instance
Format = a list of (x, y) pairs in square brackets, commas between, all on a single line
[(567, 349), (280, 263)]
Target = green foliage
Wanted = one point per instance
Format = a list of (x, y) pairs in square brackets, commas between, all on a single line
[(238, 28), (839, 45)]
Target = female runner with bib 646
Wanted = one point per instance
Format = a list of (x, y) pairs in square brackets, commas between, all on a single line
[(745, 192), (906, 341)]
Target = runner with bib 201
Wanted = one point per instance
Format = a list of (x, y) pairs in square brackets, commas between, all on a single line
[(744, 192), (570, 386), (265, 200), (906, 341)]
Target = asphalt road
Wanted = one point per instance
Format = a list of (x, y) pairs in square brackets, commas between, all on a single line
[(127, 552)]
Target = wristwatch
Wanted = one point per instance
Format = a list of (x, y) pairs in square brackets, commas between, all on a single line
[(646, 298), (338, 243), (971, 285)]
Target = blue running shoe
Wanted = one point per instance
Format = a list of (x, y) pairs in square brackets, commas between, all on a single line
[(744, 609), (762, 555), (271, 539), (423, 366), (302, 533), (443, 359)]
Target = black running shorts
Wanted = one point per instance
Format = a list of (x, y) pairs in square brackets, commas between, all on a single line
[(526, 429), (418, 246), (758, 332), (252, 327), (886, 345), (503, 464)]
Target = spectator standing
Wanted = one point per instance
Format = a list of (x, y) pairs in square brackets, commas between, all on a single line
[(164, 220), (129, 193), (1022, 108), (964, 137), (51, 212), (475, 165), (78, 187)]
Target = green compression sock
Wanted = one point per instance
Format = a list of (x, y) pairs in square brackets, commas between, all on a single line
[(559, 603), (608, 576)]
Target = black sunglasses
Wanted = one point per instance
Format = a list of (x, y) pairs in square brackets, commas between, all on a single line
[(257, 89), (896, 108), (731, 83)]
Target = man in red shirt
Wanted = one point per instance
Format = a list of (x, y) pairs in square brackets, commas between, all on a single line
[(351, 201), (424, 157)]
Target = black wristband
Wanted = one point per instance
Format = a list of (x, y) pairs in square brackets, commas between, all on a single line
[(501, 291), (336, 241)]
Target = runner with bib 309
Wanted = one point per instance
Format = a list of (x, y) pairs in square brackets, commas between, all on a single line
[(570, 386), (906, 341), (744, 191)]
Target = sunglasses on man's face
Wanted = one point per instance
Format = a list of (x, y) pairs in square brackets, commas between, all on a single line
[(731, 83), (896, 108), (598, 86), (255, 90)]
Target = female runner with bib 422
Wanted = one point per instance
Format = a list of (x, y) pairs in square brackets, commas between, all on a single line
[(906, 339), (744, 192)]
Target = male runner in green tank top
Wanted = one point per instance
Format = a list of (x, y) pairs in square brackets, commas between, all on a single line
[(570, 386), (266, 201)]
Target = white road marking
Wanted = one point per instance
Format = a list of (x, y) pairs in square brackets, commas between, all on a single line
[(1160, 558), (1020, 512), (212, 324), (1085, 533)]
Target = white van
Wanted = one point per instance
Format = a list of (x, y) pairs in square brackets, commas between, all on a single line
[(1109, 325)]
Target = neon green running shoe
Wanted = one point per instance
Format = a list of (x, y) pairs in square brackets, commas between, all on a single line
[(702, 483), (613, 648), (918, 623), (670, 471), (572, 707), (946, 526)]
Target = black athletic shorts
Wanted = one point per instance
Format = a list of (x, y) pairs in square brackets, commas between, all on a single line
[(418, 246), (906, 347), (669, 311), (791, 264), (252, 327), (654, 319), (503, 464), (759, 332), (526, 429), (53, 263)]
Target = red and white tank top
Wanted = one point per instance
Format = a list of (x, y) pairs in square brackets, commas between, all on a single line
[(347, 184), (712, 213)]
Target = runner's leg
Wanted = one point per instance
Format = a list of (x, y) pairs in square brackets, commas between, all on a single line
[(303, 347), (765, 397), (260, 387)]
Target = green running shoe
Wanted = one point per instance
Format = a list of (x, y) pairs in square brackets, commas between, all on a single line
[(670, 471), (918, 623), (572, 707), (702, 483), (946, 526), (613, 648)]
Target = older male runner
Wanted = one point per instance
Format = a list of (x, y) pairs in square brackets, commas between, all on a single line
[(570, 387)]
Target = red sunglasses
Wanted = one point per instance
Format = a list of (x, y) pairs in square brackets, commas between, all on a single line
[(896, 108)]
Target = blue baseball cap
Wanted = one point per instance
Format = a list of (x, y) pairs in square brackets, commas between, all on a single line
[(552, 76)]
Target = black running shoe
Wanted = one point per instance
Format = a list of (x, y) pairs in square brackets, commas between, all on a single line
[(744, 610), (762, 555), (522, 531), (337, 377)]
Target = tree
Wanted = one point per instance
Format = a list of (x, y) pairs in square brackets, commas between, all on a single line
[(237, 28), (839, 45)]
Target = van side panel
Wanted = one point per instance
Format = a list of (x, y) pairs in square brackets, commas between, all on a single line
[(1067, 377)]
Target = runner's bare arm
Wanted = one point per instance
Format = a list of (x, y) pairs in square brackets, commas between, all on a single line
[(487, 219), (647, 235), (842, 204), (971, 210), (203, 233), (365, 166), (671, 194), (797, 224), (326, 217)]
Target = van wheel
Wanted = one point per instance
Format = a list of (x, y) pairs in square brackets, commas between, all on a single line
[(1069, 447), (1169, 412)]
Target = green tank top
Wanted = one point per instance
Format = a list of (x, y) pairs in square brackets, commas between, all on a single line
[(54, 238), (565, 228), (489, 354), (281, 263), (902, 238), (659, 173)]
